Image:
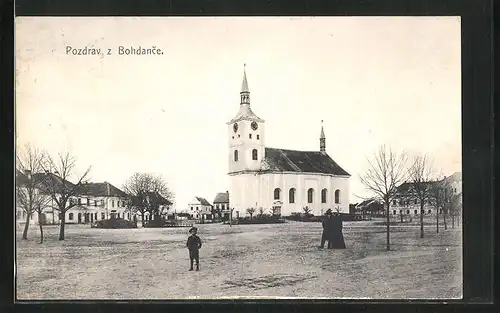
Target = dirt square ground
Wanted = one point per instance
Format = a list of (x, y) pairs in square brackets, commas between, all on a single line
[(240, 261)]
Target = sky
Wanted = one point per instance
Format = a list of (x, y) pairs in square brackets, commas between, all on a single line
[(373, 80)]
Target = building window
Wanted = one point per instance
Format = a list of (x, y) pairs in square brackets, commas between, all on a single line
[(291, 195), (238, 137), (191, 208), (430, 211), (79, 201), (95, 216), (103, 216), (250, 136), (394, 212), (112, 203), (88, 201), (197, 208), (258, 137), (393, 202), (323, 196), (233, 137), (70, 217), (337, 196), (95, 202), (310, 195), (407, 211), (235, 155), (254, 154), (400, 211), (277, 194), (415, 211)]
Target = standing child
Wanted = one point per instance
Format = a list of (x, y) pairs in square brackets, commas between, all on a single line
[(194, 245)]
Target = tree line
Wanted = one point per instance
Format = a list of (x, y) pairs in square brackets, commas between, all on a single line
[(47, 184), (388, 171)]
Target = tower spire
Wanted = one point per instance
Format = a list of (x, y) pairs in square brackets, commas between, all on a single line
[(322, 139), (245, 92)]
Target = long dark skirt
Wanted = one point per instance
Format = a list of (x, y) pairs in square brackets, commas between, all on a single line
[(337, 241)]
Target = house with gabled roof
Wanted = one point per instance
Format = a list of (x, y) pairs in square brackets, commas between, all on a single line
[(221, 204), (199, 208), (282, 180), (93, 201), (407, 203)]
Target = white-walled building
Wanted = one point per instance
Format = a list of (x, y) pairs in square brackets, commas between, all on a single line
[(406, 203), (282, 180), (96, 201), (200, 208), (221, 203)]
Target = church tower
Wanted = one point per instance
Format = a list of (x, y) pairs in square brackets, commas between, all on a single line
[(245, 135), (322, 140)]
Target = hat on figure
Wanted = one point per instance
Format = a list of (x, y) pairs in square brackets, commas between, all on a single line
[(193, 230), (328, 212)]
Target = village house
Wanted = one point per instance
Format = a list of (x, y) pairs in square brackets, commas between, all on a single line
[(407, 203), (94, 201), (164, 207), (221, 204), (200, 208), (370, 208)]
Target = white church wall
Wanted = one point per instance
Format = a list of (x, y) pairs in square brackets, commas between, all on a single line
[(257, 190)]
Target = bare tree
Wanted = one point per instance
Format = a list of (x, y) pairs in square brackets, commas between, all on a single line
[(436, 198), (58, 173), (455, 208), (274, 210), (29, 186), (251, 211), (421, 175), (307, 211), (385, 173), (261, 212), (148, 193)]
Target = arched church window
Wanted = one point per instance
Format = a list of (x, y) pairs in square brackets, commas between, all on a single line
[(254, 154), (323, 196), (235, 155), (291, 195), (277, 194), (337, 196), (310, 195)]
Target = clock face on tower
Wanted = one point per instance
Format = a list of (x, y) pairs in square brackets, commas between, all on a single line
[(254, 125), (235, 127)]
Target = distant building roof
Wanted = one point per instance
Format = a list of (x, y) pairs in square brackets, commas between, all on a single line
[(222, 197), (301, 161), (203, 201), (101, 190)]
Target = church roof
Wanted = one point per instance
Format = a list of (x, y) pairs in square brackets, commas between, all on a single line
[(244, 83), (301, 161), (245, 113)]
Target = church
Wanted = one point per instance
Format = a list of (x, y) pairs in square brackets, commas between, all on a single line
[(279, 181)]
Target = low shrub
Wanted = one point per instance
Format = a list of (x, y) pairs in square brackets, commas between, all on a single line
[(114, 223)]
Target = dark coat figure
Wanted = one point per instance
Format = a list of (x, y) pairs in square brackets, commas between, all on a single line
[(194, 244), (327, 229), (336, 239)]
